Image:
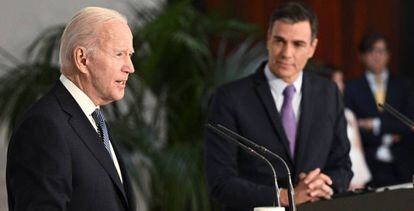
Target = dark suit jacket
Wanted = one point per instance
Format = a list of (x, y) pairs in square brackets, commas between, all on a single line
[(57, 162), (240, 181), (360, 99)]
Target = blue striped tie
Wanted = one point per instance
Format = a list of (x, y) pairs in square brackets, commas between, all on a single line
[(102, 130)]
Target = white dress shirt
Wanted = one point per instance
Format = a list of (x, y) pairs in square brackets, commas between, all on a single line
[(373, 86), (88, 107), (372, 83), (277, 86), (383, 153)]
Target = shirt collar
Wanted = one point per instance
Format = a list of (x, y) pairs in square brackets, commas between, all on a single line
[(371, 76), (86, 104), (278, 84)]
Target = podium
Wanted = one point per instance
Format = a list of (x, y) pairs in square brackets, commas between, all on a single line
[(387, 200)]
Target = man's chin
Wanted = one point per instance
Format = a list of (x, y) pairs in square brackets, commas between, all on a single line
[(283, 72), (119, 96), (114, 97)]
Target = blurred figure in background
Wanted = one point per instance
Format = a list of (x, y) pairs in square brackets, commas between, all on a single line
[(385, 140), (362, 175)]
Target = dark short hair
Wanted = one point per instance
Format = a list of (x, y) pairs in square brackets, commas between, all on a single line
[(293, 12), (368, 41)]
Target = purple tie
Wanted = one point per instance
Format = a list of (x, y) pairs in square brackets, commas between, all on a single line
[(288, 117)]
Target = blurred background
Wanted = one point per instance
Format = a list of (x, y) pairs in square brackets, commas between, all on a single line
[(184, 50), (342, 25)]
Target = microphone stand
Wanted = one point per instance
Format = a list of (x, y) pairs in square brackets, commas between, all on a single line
[(395, 113), (253, 152), (291, 190)]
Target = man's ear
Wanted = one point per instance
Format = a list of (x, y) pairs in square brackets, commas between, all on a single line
[(314, 43), (80, 59)]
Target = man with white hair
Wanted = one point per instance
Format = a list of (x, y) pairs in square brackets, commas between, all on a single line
[(61, 155)]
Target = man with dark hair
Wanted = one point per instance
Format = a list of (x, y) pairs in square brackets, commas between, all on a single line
[(294, 113), (385, 144)]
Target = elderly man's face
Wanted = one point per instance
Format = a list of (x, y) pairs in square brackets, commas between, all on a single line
[(110, 63), (289, 48)]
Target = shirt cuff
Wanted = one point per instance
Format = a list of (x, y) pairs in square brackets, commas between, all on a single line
[(376, 126)]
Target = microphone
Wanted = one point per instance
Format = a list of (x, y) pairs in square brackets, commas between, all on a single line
[(253, 152), (291, 190), (405, 120)]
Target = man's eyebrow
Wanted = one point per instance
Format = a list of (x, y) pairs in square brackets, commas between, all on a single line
[(299, 41), (282, 38), (125, 50), (278, 37)]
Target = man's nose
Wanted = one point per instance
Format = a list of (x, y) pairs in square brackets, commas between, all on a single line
[(287, 51), (129, 66)]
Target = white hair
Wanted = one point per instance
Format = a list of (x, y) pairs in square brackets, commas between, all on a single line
[(82, 31)]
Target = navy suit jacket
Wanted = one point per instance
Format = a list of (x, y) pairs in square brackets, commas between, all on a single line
[(360, 99), (56, 161), (240, 181)]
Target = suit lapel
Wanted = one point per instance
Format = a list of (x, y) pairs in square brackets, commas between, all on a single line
[(87, 134), (128, 193), (263, 91), (369, 94), (306, 119), (391, 90)]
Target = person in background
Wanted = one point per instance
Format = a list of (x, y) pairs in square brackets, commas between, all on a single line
[(61, 155), (362, 175), (294, 113), (387, 143)]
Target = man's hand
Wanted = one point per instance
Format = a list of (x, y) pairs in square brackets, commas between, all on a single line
[(311, 187), (366, 124), (396, 138), (318, 185)]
